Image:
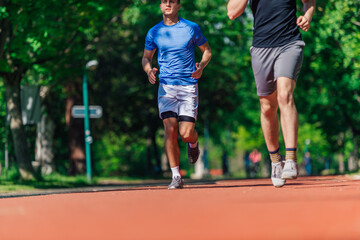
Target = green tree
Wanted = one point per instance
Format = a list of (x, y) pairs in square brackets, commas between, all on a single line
[(44, 32), (330, 93)]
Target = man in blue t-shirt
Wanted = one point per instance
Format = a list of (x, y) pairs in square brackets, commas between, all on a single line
[(175, 39), (276, 56)]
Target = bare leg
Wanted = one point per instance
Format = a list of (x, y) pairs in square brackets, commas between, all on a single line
[(270, 127), (289, 125), (269, 120), (288, 112), (188, 132), (171, 144)]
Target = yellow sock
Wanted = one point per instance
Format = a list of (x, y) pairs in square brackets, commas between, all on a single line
[(291, 154), (275, 156)]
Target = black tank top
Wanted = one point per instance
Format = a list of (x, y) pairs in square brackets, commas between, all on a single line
[(274, 22)]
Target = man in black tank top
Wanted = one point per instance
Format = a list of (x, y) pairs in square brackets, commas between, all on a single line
[(274, 22), (276, 56)]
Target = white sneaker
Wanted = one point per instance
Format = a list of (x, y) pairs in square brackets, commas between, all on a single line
[(176, 183), (290, 170), (276, 171)]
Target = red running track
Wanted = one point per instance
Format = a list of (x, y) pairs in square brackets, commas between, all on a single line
[(306, 208)]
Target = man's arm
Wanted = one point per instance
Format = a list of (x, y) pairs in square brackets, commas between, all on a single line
[(304, 21), (206, 50), (146, 63), (235, 8)]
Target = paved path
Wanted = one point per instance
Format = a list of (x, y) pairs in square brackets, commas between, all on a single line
[(307, 208)]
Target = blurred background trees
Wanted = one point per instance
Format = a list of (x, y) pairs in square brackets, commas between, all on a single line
[(48, 43)]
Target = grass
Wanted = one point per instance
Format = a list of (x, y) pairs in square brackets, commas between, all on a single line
[(10, 181), (48, 182)]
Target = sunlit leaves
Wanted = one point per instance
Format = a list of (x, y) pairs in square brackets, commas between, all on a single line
[(3, 12)]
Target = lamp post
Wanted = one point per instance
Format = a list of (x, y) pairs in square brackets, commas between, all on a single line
[(91, 65)]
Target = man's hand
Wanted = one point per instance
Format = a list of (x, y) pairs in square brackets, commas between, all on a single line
[(303, 23), (206, 50), (151, 75), (197, 74)]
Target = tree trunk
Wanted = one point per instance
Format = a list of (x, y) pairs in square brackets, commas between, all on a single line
[(341, 163), (75, 130), (17, 130), (152, 147), (149, 164), (356, 151), (353, 159), (45, 131), (158, 168), (45, 145)]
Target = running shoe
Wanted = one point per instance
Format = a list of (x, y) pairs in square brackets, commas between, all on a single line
[(290, 170), (193, 153), (176, 183), (276, 172)]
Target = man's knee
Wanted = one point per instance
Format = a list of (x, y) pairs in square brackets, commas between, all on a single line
[(268, 108), (285, 91), (171, 131), (186, 134), (285, 98)]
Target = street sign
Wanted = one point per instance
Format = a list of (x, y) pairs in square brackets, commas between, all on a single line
[(78, 111)]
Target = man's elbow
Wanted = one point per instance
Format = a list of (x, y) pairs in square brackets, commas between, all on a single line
[(231, 15)]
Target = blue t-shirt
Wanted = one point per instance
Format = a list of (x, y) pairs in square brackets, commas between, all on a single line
[(176, 50), (274, 22)]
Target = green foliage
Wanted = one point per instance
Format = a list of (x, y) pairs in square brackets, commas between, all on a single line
[(117, 156), (330, 92), (247, 140), (312, 139), (54, 39), (50, 41)]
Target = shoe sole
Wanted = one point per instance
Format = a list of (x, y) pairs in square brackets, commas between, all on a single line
[(288, 176), (180, 187), (278, 182), (193, 162)]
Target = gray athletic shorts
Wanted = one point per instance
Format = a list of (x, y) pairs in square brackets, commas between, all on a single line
[(178, 101), (270, 63)]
